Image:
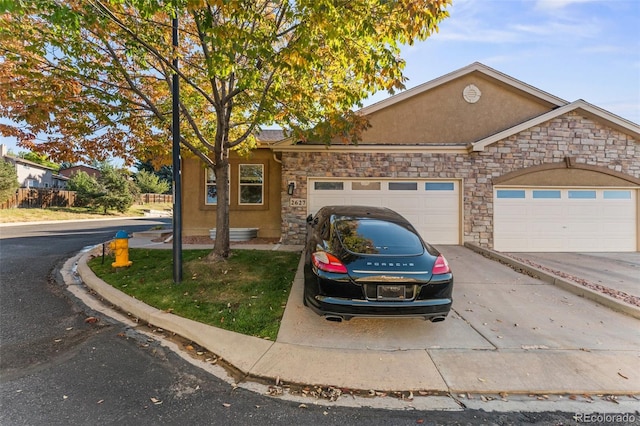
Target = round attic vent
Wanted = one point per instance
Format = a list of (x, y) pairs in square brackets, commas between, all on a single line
[(471, 94)]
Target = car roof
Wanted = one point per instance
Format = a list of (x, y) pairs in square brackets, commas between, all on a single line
[(363, 212)]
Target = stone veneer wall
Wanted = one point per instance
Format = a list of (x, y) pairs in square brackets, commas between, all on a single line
[(571, 135)]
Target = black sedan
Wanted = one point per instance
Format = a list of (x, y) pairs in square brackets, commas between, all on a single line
[(369, 262)]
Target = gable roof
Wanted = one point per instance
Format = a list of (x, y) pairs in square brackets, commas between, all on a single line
[(475, 67), (593, 111), (558, 107), (20, 160)]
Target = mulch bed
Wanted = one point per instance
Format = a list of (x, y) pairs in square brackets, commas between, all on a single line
[(616, 294)]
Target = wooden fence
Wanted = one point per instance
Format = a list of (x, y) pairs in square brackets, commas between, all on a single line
[(52, 197), (155, 198), (40, 198)]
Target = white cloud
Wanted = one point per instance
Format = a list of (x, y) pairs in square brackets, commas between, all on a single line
[(558, 28), (558, 4)]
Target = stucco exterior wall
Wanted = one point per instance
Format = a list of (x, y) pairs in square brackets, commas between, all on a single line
[(32, 176), (199, 218), (572, 135), (441, 115)]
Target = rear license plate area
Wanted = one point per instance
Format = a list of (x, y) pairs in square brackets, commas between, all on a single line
[(391, 292)]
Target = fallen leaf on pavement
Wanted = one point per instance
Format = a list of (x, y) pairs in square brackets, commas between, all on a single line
[(226, 404), (91, 320)]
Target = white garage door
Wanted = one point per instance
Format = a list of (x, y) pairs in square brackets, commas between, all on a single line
[(553, 219), (432, 207)]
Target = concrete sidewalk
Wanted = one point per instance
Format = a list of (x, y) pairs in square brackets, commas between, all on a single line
[(508, 333)]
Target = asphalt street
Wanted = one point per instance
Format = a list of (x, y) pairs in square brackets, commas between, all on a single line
[(58, 366)]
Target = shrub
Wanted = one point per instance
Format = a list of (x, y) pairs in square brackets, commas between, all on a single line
[(150, 183), (87, 188), (8, 180)]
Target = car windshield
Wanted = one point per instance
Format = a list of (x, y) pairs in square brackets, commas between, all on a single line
[(371, 236)]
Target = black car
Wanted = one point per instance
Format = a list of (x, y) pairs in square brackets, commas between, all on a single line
[(370, 261)]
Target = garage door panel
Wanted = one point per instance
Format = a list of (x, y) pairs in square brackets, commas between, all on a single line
[(579, 210), (540, 219), (336, 200)]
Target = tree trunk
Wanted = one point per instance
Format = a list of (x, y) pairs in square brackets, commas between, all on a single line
[(221, 170)]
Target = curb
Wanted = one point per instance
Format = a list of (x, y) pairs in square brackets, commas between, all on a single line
[(572, 287), (51, 222), (226, 343)]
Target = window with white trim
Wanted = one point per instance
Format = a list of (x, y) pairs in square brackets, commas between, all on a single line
[(582, 195), (617, 195), (439, 186), (546, 194), (403, 186), (251, 184), (328, 186), (211, 188), (510, 193)]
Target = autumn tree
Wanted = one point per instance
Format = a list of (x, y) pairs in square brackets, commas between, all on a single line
[(94, 76)]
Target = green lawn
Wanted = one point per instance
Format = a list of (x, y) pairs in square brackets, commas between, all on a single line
[(245, 294), (72, 213)]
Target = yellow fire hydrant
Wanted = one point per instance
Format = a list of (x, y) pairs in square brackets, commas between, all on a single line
[(120, 247)]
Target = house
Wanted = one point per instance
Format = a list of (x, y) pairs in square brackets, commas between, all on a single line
[(472, 156), (33, 175), (91, 171)]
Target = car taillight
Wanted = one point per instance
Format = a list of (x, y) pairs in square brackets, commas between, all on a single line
[(441, 266), (328, 262)]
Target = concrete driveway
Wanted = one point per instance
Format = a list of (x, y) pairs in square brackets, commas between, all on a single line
[(507, 331)]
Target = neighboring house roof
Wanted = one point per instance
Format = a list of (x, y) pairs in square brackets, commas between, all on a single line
[(599, 114), (27, 162), (270, 135), (90, 170)]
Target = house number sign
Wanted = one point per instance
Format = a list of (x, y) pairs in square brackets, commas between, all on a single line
[(298, 202)]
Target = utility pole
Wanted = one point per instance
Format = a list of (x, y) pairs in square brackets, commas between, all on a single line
[(177, 180)]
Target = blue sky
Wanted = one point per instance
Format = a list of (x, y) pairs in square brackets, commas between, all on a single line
[(573, 49)]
